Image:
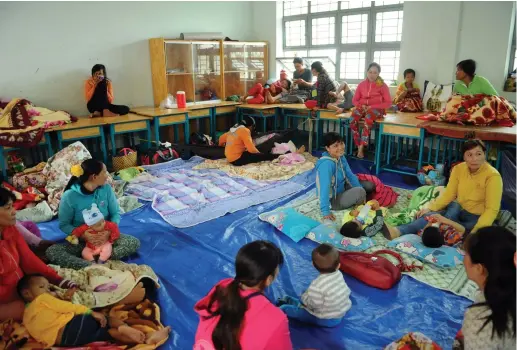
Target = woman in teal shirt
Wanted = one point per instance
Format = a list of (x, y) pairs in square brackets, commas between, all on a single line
[(88, 186), (469, 83)]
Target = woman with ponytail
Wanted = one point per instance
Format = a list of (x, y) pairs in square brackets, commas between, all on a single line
[(235, 315), (489, 261), (86, 187)]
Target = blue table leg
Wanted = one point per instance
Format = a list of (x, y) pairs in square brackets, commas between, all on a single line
[(103, 147), (4, 163), (112, 137), (421, 151), (148, 132), (187, 129), (388, 157), (378, 151), (429, 155), (157, 130)]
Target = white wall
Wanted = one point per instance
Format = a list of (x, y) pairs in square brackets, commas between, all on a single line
[(437, 35), (266, 22), (48, 48)]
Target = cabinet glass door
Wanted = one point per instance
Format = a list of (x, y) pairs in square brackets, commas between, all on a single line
[(255, 61), (234, 69), (179, 69), (207, 72)]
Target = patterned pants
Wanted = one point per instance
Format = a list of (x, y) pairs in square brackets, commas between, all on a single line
[(369, 116), (69, 256)]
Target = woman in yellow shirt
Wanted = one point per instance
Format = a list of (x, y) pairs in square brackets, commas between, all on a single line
[(472, 197)]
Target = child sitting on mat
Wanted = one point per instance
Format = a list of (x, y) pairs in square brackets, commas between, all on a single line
[(56, 322), (441, 231), (95, 225), (344, 99), (327, 299), (98, 91), (358, 222)]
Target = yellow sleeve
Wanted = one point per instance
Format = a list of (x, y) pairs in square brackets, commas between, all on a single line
[(493, 196), (450, 193), (62, 306), (245, 135), (400, 91)]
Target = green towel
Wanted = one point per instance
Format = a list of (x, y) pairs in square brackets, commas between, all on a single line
[(420, 197)]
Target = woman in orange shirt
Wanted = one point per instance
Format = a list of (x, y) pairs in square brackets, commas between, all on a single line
[(98, 92), (238, 144)]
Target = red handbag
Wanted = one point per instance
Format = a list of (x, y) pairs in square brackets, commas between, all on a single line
[(373, 269)]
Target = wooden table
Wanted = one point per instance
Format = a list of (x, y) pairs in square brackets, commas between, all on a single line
[(86, 127), (263, 111), (83, 128), (165, 117), (453, 135), (224, 108), (404, 126)]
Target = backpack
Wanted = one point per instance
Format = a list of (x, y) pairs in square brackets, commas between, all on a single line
[(373, 269), (160, 154)]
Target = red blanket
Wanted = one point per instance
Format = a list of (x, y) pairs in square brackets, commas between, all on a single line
[(382, 194)]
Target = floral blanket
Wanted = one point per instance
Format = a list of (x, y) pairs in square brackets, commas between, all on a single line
[(480, 110), (125, 275), (185, 197), (16, 126), (267, 171), (23, 125)]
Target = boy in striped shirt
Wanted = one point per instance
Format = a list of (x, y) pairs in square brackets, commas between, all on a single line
[(327, 299)]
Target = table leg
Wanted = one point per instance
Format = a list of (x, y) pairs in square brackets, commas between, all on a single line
[(421, 151), (112, 138), (157, 130), (187, 130), (103, 146), (378, 151), (4, 163)]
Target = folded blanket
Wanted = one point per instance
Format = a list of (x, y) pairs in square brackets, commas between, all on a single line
[(480, 110), (420, 197)]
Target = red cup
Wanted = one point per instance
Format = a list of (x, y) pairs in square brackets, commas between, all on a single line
[(181, 100)]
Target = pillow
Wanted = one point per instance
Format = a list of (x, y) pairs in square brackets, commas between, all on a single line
[(436, 96), (443, 257), (290, 222), (327, 233)]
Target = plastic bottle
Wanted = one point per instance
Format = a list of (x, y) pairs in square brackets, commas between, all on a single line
[(181, 99)]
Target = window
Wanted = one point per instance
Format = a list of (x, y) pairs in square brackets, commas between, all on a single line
[(347, 5), (354, 29), (389, 61), (293, 8), (352, 65), (323, 31), (389, 26), (295, 33), (352, 34), (323, 6)]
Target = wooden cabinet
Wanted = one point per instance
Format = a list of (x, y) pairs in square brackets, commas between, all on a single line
[(205, 70)]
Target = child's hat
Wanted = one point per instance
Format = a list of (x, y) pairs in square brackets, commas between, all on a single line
[(92, 216)]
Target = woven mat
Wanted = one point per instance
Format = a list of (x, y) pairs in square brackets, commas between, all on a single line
[(266, 171), (453, 280)]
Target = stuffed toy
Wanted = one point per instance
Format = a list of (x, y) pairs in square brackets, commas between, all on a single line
[(28, 198), (144, 317)]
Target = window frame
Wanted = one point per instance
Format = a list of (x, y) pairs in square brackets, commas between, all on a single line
[(369, 47), (513, 48)]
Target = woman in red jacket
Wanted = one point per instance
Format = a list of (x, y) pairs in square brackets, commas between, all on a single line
[(371, 98), (16, 260)]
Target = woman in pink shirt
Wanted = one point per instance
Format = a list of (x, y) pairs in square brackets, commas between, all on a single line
[(371, 98), (235, 315)]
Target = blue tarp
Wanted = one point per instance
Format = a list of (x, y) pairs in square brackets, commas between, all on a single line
[(190, 261)]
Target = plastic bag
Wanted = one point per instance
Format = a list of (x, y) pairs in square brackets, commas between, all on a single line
[(169, 102)]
